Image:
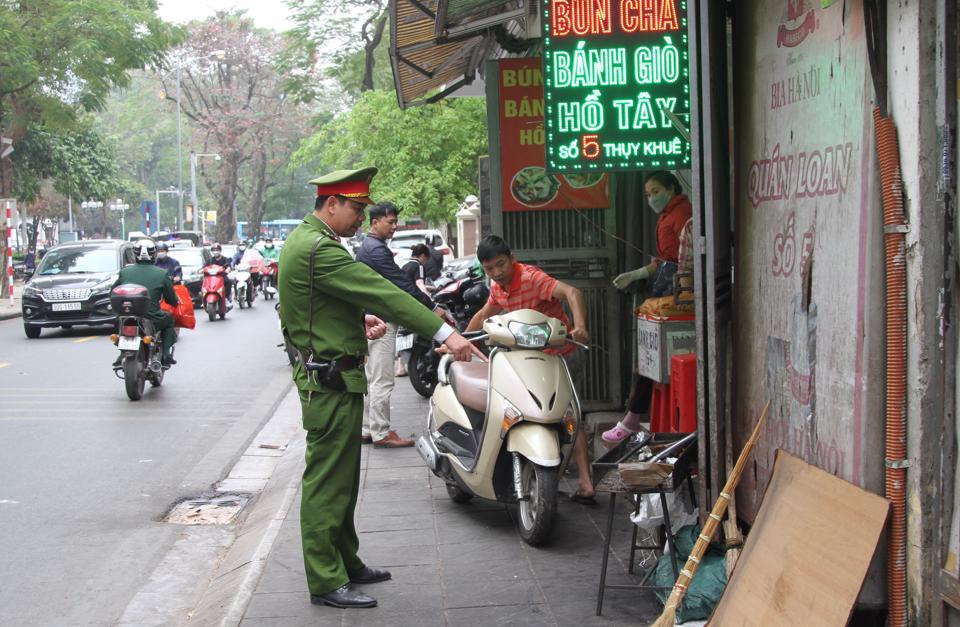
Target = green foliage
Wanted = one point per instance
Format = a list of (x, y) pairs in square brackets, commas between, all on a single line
[(330, 37), (64, 55), (142, 125), (79, 161), (427, 155)]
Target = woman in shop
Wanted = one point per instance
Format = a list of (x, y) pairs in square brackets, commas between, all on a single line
[(674, 253)]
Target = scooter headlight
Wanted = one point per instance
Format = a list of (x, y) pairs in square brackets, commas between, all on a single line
[(530, 335)]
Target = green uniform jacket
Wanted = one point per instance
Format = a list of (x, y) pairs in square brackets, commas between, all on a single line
[(270, 253), (155, 279), (343, 289)]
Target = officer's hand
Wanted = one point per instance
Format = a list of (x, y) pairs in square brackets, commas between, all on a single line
[(462, 349), (375, 327)]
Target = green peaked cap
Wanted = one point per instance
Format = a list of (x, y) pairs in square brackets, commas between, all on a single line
[(352, 184)]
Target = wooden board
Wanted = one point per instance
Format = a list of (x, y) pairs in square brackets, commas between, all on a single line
[(807, 554)]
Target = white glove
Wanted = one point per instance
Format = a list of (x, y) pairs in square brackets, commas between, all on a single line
[(625, 279)]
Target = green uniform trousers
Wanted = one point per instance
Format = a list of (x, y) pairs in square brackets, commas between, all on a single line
[(163, 322), (330, 483)]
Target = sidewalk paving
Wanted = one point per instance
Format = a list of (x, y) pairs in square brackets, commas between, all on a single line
[(8, 311), (454, 564)]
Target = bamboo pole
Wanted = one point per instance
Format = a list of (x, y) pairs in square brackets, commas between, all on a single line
[(669, 615)]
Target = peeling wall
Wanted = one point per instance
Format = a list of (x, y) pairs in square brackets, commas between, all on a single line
[(808, 295)]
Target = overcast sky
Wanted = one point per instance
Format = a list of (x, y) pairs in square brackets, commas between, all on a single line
[(266, 13)]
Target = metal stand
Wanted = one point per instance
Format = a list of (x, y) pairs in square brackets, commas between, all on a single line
[(681, 474)]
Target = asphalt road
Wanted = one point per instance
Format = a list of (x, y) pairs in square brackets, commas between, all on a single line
[(86, 475)]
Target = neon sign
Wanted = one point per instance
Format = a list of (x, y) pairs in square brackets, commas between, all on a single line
[(615, 73)]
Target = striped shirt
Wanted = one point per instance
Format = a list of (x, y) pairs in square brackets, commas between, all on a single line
[(532, 288)]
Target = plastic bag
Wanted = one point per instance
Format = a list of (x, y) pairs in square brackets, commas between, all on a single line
[(650, 515), (707, 586), (183, 313)]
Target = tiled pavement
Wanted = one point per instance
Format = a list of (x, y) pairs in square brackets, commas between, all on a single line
[(454, 564)]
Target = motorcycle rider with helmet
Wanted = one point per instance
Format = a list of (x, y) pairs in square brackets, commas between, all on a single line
[(168, 263), (269, 250), (158, 283), (219, 259)]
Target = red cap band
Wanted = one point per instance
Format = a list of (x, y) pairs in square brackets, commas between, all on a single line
[(349, 189)]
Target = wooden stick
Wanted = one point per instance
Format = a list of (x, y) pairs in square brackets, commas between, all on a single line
[(669, 615)]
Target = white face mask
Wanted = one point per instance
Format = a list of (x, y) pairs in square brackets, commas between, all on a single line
[(161, 255)]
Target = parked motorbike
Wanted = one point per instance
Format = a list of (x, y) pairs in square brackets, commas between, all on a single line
[(462, 294), (268, 281), (214, 292), (246, 290), (139, 342), (503, 430)]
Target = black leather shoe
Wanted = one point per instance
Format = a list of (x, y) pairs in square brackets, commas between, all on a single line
[(344, 597), (370, 575), (168, 361)]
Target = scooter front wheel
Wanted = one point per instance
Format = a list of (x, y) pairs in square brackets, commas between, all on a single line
[(422, 369), (538, 511), (212, 310)]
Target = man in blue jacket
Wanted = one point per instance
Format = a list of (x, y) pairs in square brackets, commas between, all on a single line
[(380, 363)]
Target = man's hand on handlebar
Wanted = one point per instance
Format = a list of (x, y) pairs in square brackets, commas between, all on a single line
[(580, 334), (461, 348)]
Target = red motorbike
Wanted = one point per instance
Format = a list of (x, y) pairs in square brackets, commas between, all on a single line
[(268, 278), (214, 292)]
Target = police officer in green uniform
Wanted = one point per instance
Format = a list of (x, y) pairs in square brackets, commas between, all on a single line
[(330, 306), (158, 283)]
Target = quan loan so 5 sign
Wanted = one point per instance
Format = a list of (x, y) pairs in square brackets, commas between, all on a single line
[(616, 72)]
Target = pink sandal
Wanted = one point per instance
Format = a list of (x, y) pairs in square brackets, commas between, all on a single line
[(617, 434)]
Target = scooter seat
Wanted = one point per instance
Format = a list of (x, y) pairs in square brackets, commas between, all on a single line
[(469, 381)]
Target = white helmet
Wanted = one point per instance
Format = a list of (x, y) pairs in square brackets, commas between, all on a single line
[(145, 251)]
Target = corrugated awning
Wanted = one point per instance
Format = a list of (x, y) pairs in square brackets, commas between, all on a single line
[(440, 44)]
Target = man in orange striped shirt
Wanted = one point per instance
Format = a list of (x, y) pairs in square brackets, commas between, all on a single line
[(516, 285)]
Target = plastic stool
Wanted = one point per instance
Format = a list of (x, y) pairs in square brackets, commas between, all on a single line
[(683, 393), (660, 408)]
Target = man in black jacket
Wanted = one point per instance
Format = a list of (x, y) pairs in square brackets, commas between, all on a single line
[(380, 362)]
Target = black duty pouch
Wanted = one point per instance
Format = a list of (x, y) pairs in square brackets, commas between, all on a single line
[(326, 374)]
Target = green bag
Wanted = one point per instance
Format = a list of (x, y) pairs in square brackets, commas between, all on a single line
[(707, 586)]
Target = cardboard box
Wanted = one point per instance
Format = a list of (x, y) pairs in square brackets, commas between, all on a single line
[(658, 341)]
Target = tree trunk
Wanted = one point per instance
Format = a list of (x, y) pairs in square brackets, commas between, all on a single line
[(256, 209), (370, 49)]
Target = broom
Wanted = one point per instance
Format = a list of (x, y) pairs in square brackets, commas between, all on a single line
[(669, 614)]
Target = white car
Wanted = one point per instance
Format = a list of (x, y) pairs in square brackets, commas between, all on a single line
[(403, 241)]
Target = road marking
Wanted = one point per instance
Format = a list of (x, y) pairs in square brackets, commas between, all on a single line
[(85, 339), (4, 364), (9, 502)]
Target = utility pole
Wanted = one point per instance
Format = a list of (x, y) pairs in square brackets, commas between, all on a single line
[(179, 154)]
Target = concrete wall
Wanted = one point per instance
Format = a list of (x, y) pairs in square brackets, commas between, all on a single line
[(912, 73)]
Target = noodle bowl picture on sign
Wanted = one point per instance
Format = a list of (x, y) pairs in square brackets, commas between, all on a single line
[(532, 186)]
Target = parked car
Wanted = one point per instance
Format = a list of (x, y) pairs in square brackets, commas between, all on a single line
[(403, 241), (71, 285), (192, 259)]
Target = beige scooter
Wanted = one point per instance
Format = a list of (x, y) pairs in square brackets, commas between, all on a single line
[(502, 431)]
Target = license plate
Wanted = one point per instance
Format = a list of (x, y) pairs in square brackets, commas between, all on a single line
[(405, 342), (128, 343), (65, 307)]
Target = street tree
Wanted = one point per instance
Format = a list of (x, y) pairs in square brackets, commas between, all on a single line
[(52, 165), (427, 155), (60, 57), (329, 35), (233, 97)]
